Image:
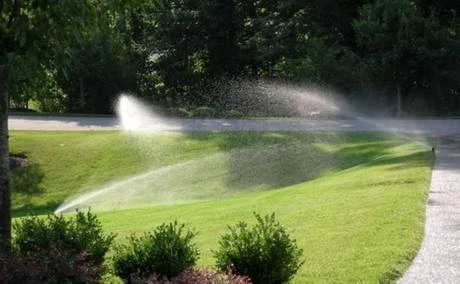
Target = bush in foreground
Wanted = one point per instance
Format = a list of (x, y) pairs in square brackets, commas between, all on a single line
[(264, 252), (12, 270), (167, 251), (59, 250), (195, 276), (53, 266)]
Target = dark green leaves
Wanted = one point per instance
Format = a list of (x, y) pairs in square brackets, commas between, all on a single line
[(264, 252)]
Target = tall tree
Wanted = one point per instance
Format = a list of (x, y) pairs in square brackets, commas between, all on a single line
[(35, 30), (221, 18), (169, 34), (102, 66), (398, 41)]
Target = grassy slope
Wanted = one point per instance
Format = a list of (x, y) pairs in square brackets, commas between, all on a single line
[(63, 163), (361, 225), (360, 221)]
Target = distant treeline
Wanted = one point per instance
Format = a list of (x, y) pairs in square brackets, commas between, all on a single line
[(402, 54)]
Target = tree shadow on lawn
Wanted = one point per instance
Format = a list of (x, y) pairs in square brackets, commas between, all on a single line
[(373, 154), (26, 182), (33, 209), (270, 160), (277, 165), (27, 179)]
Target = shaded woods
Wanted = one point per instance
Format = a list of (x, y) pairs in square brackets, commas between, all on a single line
[(399, 55)]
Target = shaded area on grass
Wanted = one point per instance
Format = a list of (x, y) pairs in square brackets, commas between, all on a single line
[(27, 180), (26, 185), (30, 209), (288, 158), (277, 165)]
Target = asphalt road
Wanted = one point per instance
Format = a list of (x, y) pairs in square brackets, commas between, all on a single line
[(80, 123)]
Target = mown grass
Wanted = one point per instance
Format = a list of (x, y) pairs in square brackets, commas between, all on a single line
[(359, 219), (64, 163)]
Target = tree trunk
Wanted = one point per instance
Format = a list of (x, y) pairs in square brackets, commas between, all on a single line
[(5, 217), (82, 94), (441, 103), (398, 100), (253, 50)]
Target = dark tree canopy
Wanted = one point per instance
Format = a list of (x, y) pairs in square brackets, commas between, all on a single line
[(171, 52)]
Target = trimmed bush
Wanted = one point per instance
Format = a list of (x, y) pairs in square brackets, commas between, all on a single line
[(204, 112), (167, 251), (179, 112), (264, 252), (79, 234), (60, 250), (232, 114)]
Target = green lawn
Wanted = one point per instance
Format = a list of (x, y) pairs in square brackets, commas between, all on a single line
[(354, 201)]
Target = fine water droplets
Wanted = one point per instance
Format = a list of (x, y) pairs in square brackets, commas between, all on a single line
[(225, 173)]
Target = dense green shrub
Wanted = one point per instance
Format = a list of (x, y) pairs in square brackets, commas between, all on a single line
[(167, 251), (204, 112), (60, 250), (264, 252), (81, 233), (179, 112), (232, 114)]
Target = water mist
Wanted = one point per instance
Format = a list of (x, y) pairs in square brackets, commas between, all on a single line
[(258, 167)]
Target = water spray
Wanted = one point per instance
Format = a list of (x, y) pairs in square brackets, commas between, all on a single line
[(135, 116)]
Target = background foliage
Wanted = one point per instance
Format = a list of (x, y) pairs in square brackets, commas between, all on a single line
[(174, 52)]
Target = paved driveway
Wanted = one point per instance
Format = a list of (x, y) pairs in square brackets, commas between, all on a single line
[(438, 260)]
